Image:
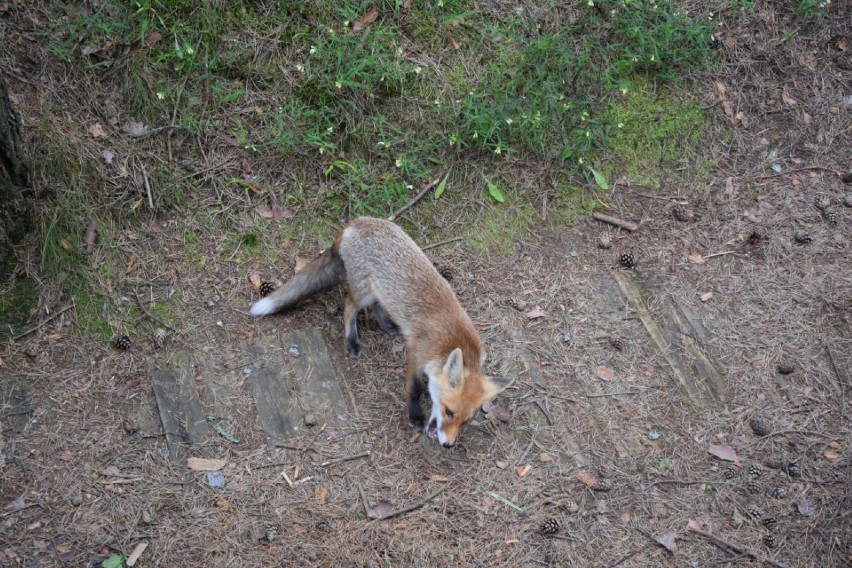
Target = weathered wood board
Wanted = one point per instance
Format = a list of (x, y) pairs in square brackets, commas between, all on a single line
[(184, 422), (290, 377)]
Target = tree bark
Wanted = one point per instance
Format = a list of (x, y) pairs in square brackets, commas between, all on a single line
[(14, 178)]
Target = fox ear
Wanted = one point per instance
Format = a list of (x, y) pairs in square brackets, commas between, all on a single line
[(495, 385), (454, 368)]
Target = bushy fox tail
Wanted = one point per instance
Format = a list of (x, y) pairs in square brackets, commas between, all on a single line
[(322, 273)]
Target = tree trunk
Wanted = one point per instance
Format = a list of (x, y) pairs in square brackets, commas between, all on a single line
[(14, 179)]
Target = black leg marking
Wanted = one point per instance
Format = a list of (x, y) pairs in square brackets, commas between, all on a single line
[(353, 345), (415, 409), (385, 322)]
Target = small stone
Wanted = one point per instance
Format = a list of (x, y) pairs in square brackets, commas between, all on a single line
[(311, 419), (605, 241), (293, 351)]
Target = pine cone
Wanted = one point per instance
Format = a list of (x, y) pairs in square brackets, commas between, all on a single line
[(822, 202), (802, 237), (627, 260), (769, 522), (445, 271), (776, 492), (616, 342), (266, 288), (603, 484), (847, 200), (159, 337), (752, 487), (681, 213), (792, 469), (754, 512), (785, 367), (730, 472), (755, 471), (605, 241), (550, 526), (758, 425), (755, 238), (121, 342), (831, 218), (769, 541)]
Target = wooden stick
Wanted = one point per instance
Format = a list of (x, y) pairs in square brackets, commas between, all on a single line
[(737, 547), (417, 198), (151, 316), (413, 506), (632, 227), (148, 188), (363, 499), (344, 459), (612, 394), (137, 552), (441, 243), (719, 254), (42, 323)]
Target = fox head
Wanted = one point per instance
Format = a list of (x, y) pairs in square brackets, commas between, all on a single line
[(457, 392)]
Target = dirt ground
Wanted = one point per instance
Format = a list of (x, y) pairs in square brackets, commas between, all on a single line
[(652, 421)]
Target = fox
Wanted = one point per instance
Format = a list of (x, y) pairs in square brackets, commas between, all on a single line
[(385, 270)]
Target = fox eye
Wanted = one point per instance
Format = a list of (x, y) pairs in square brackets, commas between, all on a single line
[(449, 413)]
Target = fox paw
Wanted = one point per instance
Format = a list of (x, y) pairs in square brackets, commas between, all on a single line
[(353, 348)]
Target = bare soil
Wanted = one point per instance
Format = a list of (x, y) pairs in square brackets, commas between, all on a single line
[(625, 379)]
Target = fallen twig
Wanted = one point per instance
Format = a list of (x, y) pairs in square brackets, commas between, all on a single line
[(363, 499), (612, 394), (660, 197), (737, 547), (417, 198), (148, 188), (344, 459), (413, 506), (719, 254), (149, 315), (526, 451), (630, 226), (441, 243), (683, 482), (802, 169), (42, 323)]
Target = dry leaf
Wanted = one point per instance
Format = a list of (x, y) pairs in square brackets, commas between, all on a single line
[(729, 186), (693, 525), (605, 373), (381, 510), (545, 457), (135, 129), (255, 279), (91, 237), (723, 452), (108, 156), (587, 478), (502, 464), (831, 454), (741, 118), (625, 517), (806, 118), (224, 504), (696, 257), (728, 107), (721, 91), (788, 100), (111, 470), (806, 507), (153, 38), (97, 131), (203, 464), (363, 22), (321, 494), (400, 527), (301, 262), (668, 540), (264, 212), (524, 470), (497, 412), (706, 296), (131, 264), (439, 478), (67, 455), (535, 313)]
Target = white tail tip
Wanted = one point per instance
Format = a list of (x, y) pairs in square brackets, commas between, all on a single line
[(262, 307)]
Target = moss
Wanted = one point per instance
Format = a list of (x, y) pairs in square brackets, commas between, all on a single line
[(651, 133)]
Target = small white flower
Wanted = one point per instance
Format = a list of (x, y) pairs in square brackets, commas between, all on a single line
[(621, 125), (300, 68), (189, 50), (418, 70), (590, 4), (509, 121), (398, 162), (409, 186), (330, 129), (338, 84), (313, 49), (497, 150), (161, 95)]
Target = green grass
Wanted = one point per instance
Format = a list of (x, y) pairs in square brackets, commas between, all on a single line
[(335, 123)]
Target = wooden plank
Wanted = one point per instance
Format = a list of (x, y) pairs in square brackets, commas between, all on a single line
[(291, 377), (16, 405), (184, 422), (677, 339)]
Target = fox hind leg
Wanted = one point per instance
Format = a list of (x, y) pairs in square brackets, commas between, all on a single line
[(350, 317), (385, 321)]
